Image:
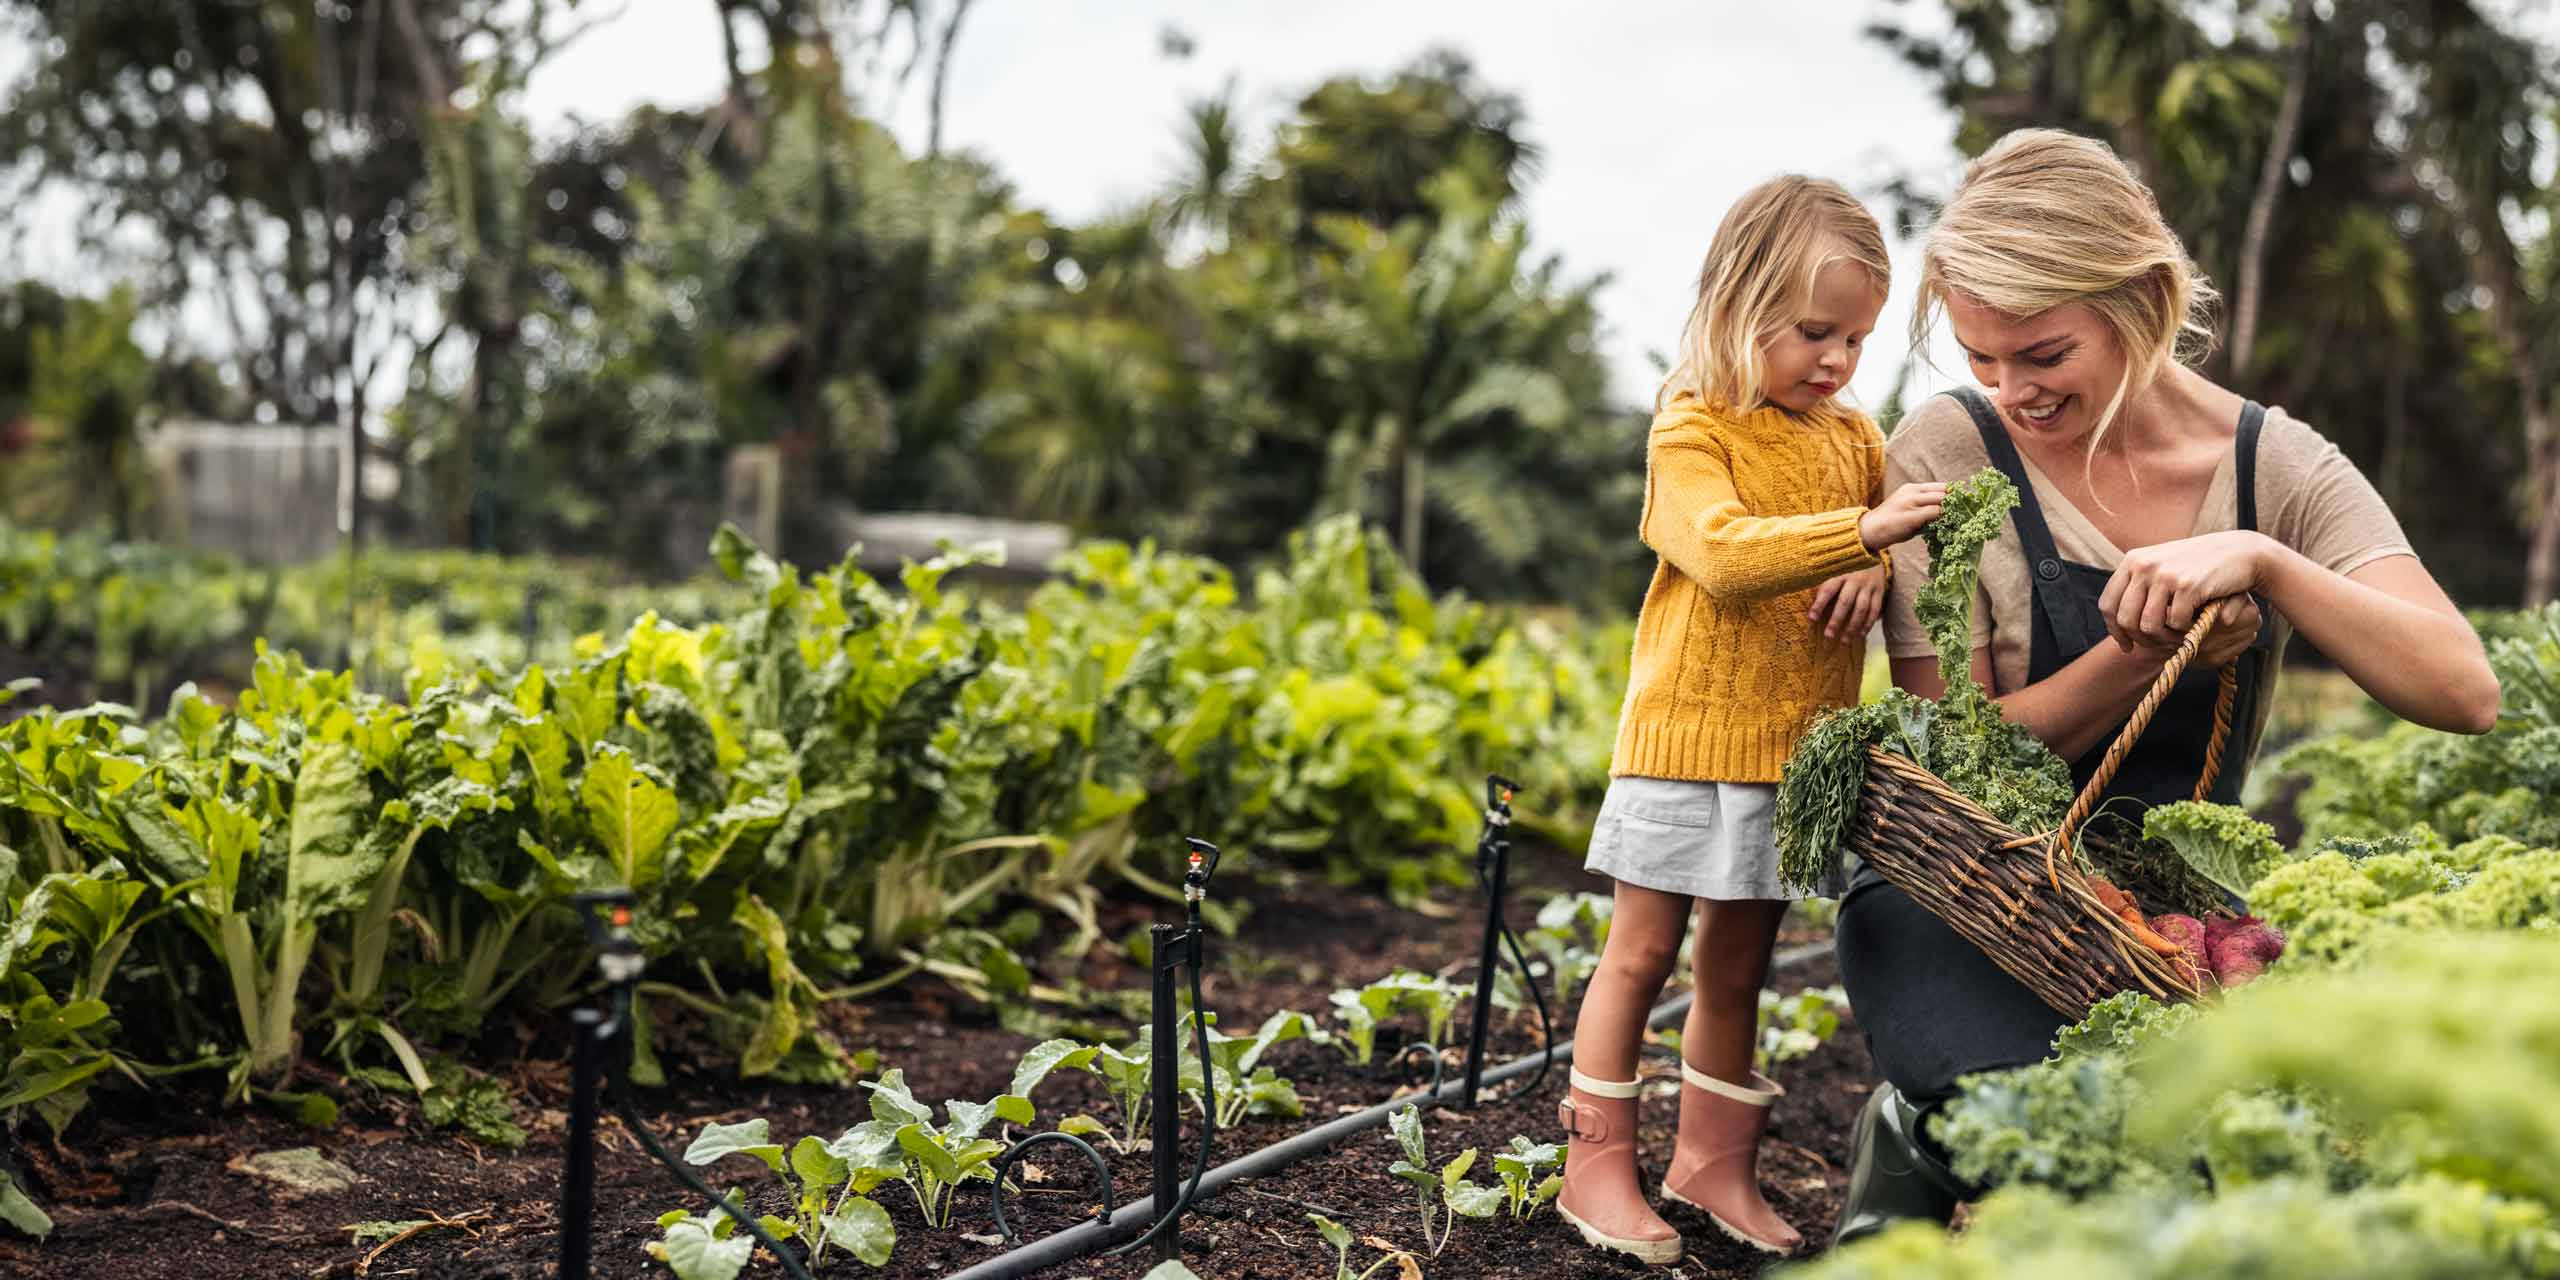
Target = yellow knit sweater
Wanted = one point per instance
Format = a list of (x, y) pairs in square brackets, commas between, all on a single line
[(1749, 511)]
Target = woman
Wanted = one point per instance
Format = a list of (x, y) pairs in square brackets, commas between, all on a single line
[(2147, 492)]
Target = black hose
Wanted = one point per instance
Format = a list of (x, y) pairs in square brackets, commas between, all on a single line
[(1430, 1054), (1082, 1239), (1005, 1163), (622, 1106), (1208, 1113)]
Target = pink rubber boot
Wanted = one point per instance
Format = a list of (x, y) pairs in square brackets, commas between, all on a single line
[(1715, 1168), (1602, 1196)]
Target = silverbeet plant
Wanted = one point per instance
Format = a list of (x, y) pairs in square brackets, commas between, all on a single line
[(1245, 1087), (1449, 1185)]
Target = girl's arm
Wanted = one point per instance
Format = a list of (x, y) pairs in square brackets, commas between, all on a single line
[(1694, 519), (2387, 624)]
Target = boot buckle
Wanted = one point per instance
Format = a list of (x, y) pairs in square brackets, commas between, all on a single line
[(1581, 1125)]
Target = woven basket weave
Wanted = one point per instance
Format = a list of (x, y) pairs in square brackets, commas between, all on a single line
[(2016, 897)]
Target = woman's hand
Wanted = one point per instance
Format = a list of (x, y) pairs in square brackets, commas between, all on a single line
[(2155, 593), (2231, 634), (1846, 606)]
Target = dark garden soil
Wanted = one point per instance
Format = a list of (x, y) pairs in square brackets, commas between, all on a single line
[(153, 1185)]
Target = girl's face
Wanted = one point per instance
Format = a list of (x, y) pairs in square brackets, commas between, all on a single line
[(2051, 373), (1810, 360)]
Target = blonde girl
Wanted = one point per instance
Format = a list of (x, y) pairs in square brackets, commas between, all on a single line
[(1764, 498)]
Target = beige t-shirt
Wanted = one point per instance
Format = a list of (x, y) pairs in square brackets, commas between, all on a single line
[(2310, 498)]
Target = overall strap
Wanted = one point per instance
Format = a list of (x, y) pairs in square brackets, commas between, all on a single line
[(2253, 417), (2066, 623), (2033, 535)]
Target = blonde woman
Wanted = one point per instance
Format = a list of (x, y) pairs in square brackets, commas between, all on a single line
[(2147, 491), (1765, 500)]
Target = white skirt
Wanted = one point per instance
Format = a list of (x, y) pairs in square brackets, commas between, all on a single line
[(1701, 839)]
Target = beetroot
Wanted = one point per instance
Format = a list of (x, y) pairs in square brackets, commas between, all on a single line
[(2189, 933), (2241, 948)]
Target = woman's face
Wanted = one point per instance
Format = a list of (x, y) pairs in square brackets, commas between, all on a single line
[(1810, 360), (2051, 373)]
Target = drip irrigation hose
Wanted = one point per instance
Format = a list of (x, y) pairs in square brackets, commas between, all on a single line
[(1084, 1238), (1004, 1165), (622, 1106), (1430, 1054)]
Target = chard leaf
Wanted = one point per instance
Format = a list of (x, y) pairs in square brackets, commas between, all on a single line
[(20, 1212), (629, 812)]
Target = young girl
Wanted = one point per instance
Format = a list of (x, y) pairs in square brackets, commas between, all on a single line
[(1762, 500)]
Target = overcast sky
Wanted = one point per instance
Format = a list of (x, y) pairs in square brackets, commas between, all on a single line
[(1650, 118)]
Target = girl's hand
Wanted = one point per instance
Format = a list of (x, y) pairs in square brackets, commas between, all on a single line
[(1846, 606), (2155, 593), (1902, 513)]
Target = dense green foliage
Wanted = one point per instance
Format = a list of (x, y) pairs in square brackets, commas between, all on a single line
[(834, 787)]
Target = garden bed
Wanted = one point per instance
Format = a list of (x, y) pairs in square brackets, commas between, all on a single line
[(170, 1171)]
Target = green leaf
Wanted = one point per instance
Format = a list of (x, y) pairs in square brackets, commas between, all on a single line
[(1082, 1126), (1470, 1200), (1456, 1169), (693, 1253), (1334, 1232), (892, 1103), (1171, 1269), (1413, 1173), (864, 1228), (20, 1212), (746, 1138), (816, 1166), (1407, 1126), (918, 1141), (1048, 1056), (629, 812)]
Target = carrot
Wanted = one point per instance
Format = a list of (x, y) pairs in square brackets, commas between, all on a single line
[(2126, 910), (2142, 932)]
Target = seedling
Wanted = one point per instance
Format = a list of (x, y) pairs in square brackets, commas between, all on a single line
[(1339, 1237), (1458, 1196)]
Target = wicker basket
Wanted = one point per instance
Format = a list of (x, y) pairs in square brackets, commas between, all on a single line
[(2009, 894)]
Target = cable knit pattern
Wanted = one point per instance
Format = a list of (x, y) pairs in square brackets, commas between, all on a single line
[(1749, 512)]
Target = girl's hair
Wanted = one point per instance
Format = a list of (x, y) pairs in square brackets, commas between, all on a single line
[(2046, 218), (1758, 279)]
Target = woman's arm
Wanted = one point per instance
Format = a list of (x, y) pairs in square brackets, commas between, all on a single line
[(2387, 624), (2394, 632)]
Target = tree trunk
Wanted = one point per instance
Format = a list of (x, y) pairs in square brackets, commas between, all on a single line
[(942, 75), (2262, 208), (1410, 502), (2542, 519)]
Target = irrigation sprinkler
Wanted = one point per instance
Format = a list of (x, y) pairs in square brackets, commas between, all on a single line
[(596, 1047), (1172, 950), (1493, 871)]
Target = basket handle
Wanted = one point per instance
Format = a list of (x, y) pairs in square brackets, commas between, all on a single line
[(2224, 700)]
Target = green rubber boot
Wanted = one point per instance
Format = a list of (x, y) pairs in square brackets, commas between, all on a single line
[(1893, 1172)]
